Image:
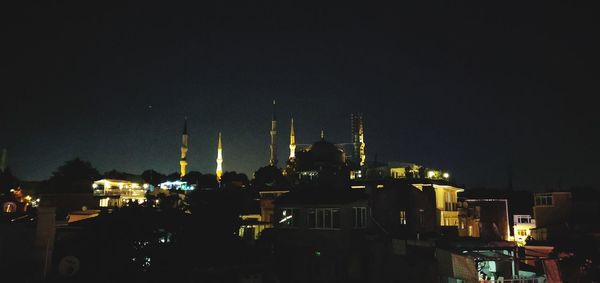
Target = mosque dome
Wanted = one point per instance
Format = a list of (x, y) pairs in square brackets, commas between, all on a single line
[(325, 152)]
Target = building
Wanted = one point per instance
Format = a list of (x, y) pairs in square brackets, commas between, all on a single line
[(477, 260), (388, 176), (484, 218), (116, 193), (400, 209), (323, 164), (550, 211), (320, 234), (522, 228), (354, 153), (267, 205), (319, 224), (177, 185), (404, 170)]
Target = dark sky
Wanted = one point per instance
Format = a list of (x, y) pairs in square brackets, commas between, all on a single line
[(450, 85)]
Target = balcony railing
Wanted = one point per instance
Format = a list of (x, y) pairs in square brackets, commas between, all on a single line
[(120, 192), (450, 206)]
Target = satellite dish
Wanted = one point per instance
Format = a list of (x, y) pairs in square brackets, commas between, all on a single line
[(68, 266)]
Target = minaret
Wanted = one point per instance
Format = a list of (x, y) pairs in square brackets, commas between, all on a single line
[(219, 171), (292, 141), (273, 146), (358, 138), (184, 149)]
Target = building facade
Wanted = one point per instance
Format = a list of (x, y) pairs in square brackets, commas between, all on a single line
[(116, 193)]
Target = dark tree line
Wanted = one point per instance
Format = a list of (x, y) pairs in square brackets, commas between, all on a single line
[(7, 181), (76, 176)]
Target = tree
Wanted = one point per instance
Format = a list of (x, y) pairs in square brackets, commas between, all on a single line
[(7, 181), (152, 177), (114, 174), (268, 176), (192, 177), (208, 181), (75, 176), (173, 176), (233, 179)]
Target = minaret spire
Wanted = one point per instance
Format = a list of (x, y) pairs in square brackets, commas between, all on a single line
[(292, 141), (273, 145), (358, 138), (219, 171), (184, 149)]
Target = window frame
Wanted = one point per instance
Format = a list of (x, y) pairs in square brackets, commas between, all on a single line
[(319, 214), (294, 219), (403, 220), (544, 200), (359, 217)]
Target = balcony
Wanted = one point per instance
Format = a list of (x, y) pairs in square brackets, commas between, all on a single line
[(450, 206), (120, 192)]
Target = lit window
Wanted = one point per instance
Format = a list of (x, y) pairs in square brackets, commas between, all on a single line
[(524, 219), (288, 217), (402, 217)]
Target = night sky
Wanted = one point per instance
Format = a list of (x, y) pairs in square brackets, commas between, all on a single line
[(472, 89)]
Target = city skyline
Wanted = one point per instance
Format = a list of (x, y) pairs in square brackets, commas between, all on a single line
[(475, 95)]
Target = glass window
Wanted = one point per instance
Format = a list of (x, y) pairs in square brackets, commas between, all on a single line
[(359, 217), (324, 218), (402, 217), (335, 218), (524, 219), (288, 217), (312, 218), (327, 218), (319, 218), (543, 199)]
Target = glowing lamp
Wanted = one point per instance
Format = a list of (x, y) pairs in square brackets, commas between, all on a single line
[(94, 185), (446, 175)]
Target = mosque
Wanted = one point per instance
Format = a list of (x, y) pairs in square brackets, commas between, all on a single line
[(351, 154)]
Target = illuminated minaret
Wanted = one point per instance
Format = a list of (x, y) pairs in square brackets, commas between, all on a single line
[(358, 138), (292, 141), (219, 171), (184, 149), (273, 146)]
